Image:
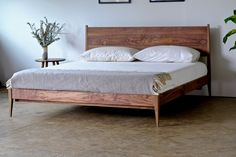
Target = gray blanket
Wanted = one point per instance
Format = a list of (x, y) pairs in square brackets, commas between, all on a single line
[(91, 81)]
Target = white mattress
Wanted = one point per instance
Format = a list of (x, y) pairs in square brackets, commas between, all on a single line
[(180, 73)]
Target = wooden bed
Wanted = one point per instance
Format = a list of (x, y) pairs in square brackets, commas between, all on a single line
[(196, 37)]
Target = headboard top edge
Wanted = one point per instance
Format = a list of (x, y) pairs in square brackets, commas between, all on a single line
[(177, 26)]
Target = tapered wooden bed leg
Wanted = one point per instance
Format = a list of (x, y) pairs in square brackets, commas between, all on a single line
[(209, 73), (10, 101), (209, 88), (157, 109)]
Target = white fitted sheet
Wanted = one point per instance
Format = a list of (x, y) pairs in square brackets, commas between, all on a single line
[(180, 73)]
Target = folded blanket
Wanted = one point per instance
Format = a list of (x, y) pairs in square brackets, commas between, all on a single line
[(90, 81)]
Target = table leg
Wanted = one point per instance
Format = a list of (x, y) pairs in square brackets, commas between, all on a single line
[(42, 65), (46, 64), (57, 62), (53, 63)]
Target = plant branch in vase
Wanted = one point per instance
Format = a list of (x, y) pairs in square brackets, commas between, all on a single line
[(231, 32), (46, 34)]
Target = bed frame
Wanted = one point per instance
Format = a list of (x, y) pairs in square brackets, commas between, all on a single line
[(196, 37)]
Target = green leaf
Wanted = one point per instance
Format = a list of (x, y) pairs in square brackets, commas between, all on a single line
[(234, 47), (231, 18), (233, 31), (47, 32), (46, 20)]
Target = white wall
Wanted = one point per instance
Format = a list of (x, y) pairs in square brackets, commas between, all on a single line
[(18, 49)]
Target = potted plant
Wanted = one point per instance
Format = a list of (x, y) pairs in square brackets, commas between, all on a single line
[(46, 34), (231, 32)]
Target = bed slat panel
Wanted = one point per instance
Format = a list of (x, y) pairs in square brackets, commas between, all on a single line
[(183, 89), (84, 97)]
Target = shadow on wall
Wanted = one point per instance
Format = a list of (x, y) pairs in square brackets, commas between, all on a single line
[(72, 39), (2, 63), (73, 42), (11, 60), (1, 69), (220, 66)]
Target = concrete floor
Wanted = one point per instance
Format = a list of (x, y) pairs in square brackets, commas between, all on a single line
[(190, 127)]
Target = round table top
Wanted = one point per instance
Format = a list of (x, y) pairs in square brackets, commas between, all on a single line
[(50, 60)]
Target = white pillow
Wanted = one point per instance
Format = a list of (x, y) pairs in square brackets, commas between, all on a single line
[(166, 53), (110, 54)]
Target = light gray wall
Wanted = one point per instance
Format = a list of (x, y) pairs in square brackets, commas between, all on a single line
[(18, 49)]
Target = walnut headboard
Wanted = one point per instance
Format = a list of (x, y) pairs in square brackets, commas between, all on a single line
[(196, 37)]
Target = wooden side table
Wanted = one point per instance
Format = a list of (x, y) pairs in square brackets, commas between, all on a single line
[(54, 61)]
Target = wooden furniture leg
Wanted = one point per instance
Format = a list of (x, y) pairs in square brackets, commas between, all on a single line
[(209, 88), (57, 62), (157, 109), (209, 75), (42, 65), (53, 63), (10, 101)]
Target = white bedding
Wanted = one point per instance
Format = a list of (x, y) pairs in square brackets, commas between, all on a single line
[(180, 72)]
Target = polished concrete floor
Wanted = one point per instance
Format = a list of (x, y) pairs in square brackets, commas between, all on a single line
[(190, 127)]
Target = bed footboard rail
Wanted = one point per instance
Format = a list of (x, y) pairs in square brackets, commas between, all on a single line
[(138, 101)]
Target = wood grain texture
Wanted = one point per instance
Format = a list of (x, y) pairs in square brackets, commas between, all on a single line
[(183, 89), (142, 101), (157, 104), (196, 37)]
